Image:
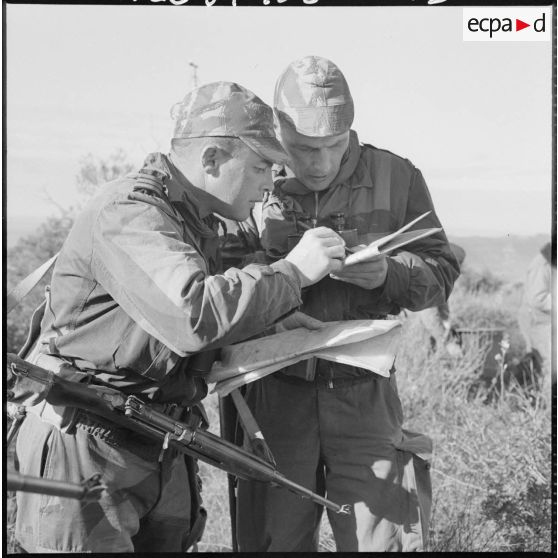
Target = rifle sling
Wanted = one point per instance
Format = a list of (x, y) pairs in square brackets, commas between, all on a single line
[(251, 428), (138, 416)]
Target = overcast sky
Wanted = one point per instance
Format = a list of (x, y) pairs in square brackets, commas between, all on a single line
[(474, 117)]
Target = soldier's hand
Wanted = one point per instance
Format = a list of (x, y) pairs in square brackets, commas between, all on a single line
[(368, 275), (298, 319), (317, 253)]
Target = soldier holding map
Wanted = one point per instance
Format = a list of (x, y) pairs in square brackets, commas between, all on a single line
[(332, 427)]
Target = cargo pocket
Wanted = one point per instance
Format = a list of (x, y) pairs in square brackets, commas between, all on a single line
[(33, 447), (34, 455), (59, 518), (46, 467)]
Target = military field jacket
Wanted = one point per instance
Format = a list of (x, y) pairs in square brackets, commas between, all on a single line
[(136, 289), (378, 192)]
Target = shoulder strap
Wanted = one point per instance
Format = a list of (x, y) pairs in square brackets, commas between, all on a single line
[(27, 284)]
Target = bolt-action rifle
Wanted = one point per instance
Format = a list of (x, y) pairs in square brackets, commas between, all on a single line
[(134, 414)]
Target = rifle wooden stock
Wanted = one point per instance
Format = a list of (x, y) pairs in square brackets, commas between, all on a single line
[(132, 413)]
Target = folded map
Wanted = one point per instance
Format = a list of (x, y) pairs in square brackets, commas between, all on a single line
[(368, 344)]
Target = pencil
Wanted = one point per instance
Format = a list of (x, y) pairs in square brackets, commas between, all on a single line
[(307, 227)]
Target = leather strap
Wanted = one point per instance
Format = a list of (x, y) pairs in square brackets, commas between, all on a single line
[(251, 428)]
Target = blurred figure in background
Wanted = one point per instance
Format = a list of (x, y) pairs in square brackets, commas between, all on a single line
[(437, 320), (535, 312)]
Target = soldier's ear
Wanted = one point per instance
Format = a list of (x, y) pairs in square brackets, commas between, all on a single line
[(210, 159)]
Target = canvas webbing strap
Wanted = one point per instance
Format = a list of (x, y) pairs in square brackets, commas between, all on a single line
[(251, 428), (26, 285), (14, 297)]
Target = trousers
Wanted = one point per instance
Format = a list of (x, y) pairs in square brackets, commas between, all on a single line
[(146, 507), (345, 442)]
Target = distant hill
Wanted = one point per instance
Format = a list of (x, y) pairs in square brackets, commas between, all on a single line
[(506, 257)]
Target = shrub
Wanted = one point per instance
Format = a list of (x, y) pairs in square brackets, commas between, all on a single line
[(491, 466)]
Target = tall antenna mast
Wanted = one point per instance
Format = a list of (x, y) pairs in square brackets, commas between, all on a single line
[(194, 73)]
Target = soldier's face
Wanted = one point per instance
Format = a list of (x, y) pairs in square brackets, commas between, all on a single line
[(315, 161), (240, 183)]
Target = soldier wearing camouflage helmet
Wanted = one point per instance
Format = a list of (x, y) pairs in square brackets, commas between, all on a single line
[(137, 291), (334, 427)]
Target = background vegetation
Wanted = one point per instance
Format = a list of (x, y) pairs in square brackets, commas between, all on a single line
[(492, 463), (491, 468)]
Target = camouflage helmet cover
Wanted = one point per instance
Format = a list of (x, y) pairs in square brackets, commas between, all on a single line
[(226, 109), (313, 96)]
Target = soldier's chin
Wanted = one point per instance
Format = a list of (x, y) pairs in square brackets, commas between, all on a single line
[(316, 185), (243, 214)]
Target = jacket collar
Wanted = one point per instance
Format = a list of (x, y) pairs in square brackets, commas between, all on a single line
[(180, 192), (349, 163)]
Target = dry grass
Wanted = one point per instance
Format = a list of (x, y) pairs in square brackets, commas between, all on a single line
[(491, 469)]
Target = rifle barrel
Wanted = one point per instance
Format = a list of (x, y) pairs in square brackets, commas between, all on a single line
[(306, 493), (26, 483), (221, 453)]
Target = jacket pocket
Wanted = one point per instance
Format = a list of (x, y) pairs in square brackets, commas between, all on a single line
[(142, 353)]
